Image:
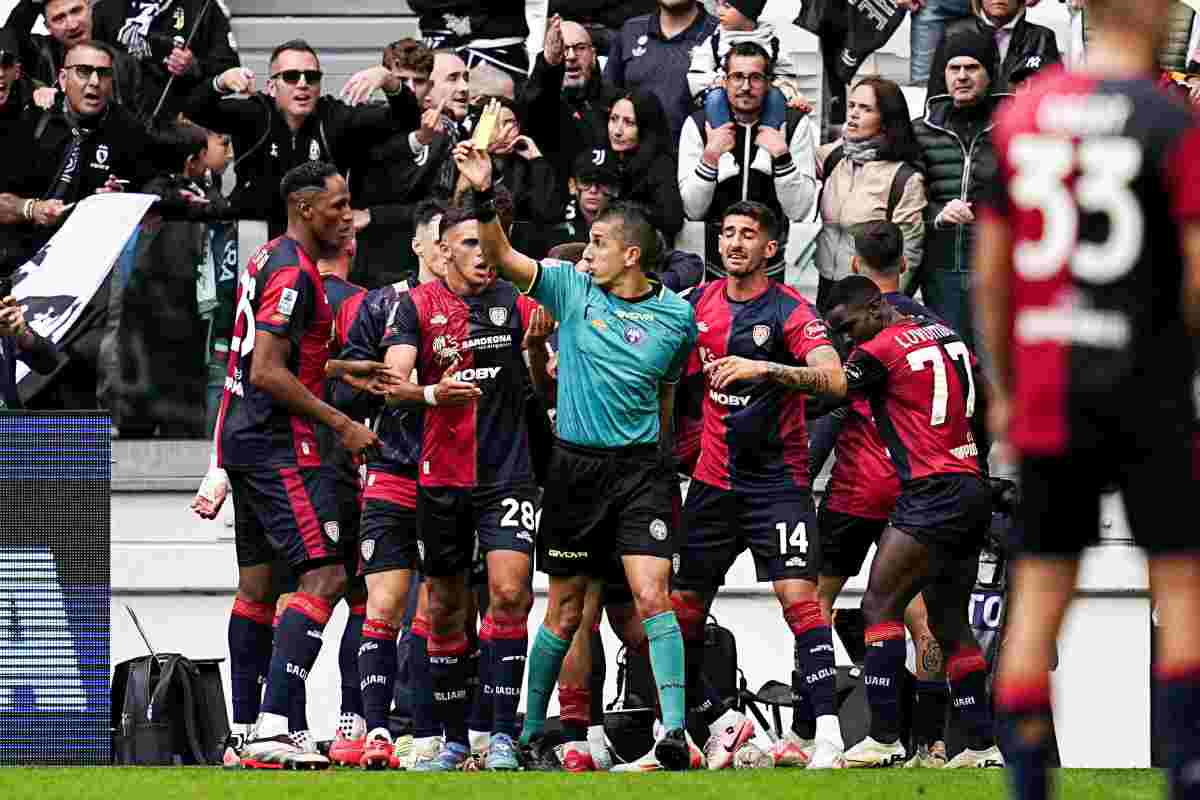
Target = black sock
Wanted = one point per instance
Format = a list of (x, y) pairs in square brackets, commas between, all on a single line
[(352, 699), (966, 671), (1025, 727), (425, 723), (377, 665), (510, 643), (297, 647), (1178, 693), (479, 686), (250, 635), (448, 667), (881, 673), (930, 700)]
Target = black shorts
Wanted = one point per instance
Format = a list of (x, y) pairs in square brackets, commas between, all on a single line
[(1060, 497), (449, 519), (389, 538), (777, 525), (349, 501), (286, 511), (601, 505), (950, 512), (845, 541)]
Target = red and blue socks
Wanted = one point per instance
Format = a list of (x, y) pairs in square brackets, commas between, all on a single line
[(377, 666), (509, 638), (881, 674), (966, 672), (298, 642), (425, 724), (1026, 734), (352, 700), (250, 635), (813, 657), (448, 662)]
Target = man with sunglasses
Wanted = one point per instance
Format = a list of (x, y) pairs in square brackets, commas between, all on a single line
[(291, 123), (83, 145)]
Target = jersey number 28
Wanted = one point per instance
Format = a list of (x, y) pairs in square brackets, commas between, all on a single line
[(1107, 168)]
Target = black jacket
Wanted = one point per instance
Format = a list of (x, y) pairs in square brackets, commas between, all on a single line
[(266, 148), (609, 13), (38, 144), (42, 358), (1029, 40), (459, 22), (538, 198), (565, 124), (655, 188)]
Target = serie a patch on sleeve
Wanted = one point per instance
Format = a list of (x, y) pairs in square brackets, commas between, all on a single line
[(287, 301)]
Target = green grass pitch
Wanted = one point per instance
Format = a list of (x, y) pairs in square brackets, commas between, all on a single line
[(142, 783)]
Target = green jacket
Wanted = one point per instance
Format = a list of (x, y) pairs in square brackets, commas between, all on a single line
[(954, 170)]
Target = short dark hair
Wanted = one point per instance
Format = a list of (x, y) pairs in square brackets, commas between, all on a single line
[(98, 46), (427, 210), (880, 244), (408, 53), (751, 50), (300, 45), (308, 177), (767, 219), (636, 230), (455, 216), (853, 291), (182, 140)]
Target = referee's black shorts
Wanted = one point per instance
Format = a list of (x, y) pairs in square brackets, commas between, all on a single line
[(602, 504)]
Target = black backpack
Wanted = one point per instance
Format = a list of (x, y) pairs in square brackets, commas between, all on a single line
[(168, 709), (895, 193)]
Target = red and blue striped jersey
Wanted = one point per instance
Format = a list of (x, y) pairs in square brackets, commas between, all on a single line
[(754, 433)]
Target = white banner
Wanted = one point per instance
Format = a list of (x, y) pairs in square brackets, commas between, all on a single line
[(55, 285)]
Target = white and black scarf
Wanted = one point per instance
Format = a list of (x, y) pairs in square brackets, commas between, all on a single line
[(136, 30)]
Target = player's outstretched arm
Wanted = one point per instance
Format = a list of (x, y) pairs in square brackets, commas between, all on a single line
[(476, 166), (993, 269), (823, 375), (271, 374)]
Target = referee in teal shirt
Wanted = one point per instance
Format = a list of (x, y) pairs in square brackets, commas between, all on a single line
[(623, 341)]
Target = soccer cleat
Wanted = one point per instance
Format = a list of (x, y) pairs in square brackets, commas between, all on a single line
[(598, 744), (501, 754), (577, 757), (539, 756), (281, 752), (827, 754), (348, 741), (793, 751), (449, 759), (751, 756), (928, 757), (694, 758), (231, 757), (402, 752), (870, 753), (977, 758), (732, 730), (378, 750), (424, 749)]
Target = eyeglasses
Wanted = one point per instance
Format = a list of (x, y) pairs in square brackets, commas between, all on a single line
[(741, 79), (580, 49), (607, 191), (85, 72), (292, 76)]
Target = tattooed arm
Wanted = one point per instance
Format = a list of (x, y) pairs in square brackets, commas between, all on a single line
[(822, 376)]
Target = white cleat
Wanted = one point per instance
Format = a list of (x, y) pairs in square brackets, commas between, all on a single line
[(977, 758), (793, 751), (281, 752), (732, 730), (870, 753), (423, 749), (827, 754)]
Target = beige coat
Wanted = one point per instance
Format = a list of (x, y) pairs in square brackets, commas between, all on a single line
[(854, 194)]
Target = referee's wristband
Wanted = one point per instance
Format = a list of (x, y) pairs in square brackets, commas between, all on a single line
[(431, 394)]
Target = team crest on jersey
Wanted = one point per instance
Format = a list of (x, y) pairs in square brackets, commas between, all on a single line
[(634, 334), (421, 550), (102, 154), (498, 315), (438, 319), (658, 529), (760, 334), (314, 151), (367, 548), (815, 329), (331, 530)]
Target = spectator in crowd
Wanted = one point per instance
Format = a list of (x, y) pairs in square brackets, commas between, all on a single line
[(744, 159), (70, 22), (602, 19), (491, 31), (739, 23), (487, 82), (654, 52), (1019, 42), (292, 123), (395, 175), (593, 187), (180, 44), (83, 145), (160, 331), (16, 92), (869, 174), (639, 151), (519, 166), (19, 342), (929, 20), (566, 102), (959, 165)]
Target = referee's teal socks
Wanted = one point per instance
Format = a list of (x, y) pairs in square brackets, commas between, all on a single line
[(545, 662), (666, 659)]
